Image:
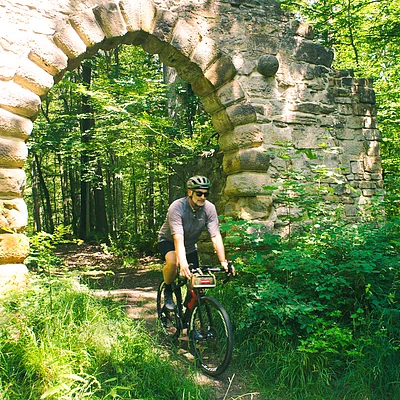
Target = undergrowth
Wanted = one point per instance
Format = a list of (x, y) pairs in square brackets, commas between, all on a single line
[(317, 314), (59, 341)]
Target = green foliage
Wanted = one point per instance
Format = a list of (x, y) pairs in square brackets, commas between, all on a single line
[(329, 297), (72, 345), (132, 149)]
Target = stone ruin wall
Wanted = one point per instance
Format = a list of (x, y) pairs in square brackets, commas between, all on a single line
[(258, 71)]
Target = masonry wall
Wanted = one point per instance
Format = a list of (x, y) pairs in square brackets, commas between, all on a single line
[(259, 73)]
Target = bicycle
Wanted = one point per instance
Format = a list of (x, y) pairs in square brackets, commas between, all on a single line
[(208, 325)]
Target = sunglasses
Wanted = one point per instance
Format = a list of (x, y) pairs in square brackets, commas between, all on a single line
[(199, 194)]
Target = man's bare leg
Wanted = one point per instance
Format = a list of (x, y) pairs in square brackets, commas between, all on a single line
[(169, 272), (171, 268)]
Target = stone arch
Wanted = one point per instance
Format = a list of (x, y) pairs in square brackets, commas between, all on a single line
[(256, 69)]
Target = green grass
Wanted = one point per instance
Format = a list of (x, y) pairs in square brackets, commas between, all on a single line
[(58, 341)]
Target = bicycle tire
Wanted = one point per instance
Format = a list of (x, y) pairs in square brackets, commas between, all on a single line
[(169, 321), (211, 336)]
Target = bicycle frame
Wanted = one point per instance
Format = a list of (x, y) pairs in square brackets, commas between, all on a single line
[(208, 326)]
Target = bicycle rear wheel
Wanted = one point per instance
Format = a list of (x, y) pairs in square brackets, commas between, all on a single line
[(211, 336), (170, 321)]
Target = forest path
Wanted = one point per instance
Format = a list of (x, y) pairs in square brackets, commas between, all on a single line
[(136, 286)]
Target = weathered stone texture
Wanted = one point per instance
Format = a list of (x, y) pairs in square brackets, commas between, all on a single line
[(266, 83), (14, 125), (16, 99), (13, 152), (138, 14), (12, 182), (14, 248), (13, 215)]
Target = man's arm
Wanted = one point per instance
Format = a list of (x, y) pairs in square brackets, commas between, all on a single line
[(181, 255), (220, 250)]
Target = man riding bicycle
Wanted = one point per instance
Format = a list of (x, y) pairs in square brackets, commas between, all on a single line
[(186, 219)]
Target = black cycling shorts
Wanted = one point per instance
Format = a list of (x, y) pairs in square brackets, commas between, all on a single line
[(165, 247)]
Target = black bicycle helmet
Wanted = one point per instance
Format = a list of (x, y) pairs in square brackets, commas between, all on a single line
[(198, 182)]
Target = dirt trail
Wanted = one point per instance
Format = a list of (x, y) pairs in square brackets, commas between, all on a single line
[(137, 287)]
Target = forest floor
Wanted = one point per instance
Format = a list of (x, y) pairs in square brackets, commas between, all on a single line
[(136, 286)]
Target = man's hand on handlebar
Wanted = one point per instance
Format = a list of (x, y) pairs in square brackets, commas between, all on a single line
[(228, 267), (185, 271)]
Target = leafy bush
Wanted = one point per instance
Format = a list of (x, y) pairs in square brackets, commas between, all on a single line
[(324, 304)]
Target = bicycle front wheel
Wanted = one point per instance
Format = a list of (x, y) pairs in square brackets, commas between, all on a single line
[(211, 336)]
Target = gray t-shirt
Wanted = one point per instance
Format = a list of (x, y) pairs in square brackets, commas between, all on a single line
[(182, 220)]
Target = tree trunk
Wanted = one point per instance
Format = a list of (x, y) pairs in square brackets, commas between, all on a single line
[(48, 214), (86, 125)]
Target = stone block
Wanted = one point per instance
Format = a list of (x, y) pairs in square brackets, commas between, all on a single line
[(185, 38), (345, 108), (172, 57), (274, 134), (14, 248), (260, 87), (30, 76), (354, 147), (357, 167), (348, 134), (13, 277), (253, 208), (372, 164), (202, 86), (373, 148), (48, 56), (9, 64), (364, 109), (13, 215), (18, 100), (164, 24), (290, 117), (13, 152), (110, 19), (372, 134), (314, 53), (15, 126), (355, 122), (247, 184), (205, 53), (153, 45), (68, 40), (212, 103), (138, 14), (367, 95), (369, 122), (87, 27), (12, 182), (369, 192), (231, 93), (244, 136), (188, 71), (350, 210), (306, 138), (221, 122), (312, 108), (253, 159), (221, 72), (241, 114), (244, 65)]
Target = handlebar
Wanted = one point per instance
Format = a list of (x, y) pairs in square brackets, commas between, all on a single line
[(209, 268)]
